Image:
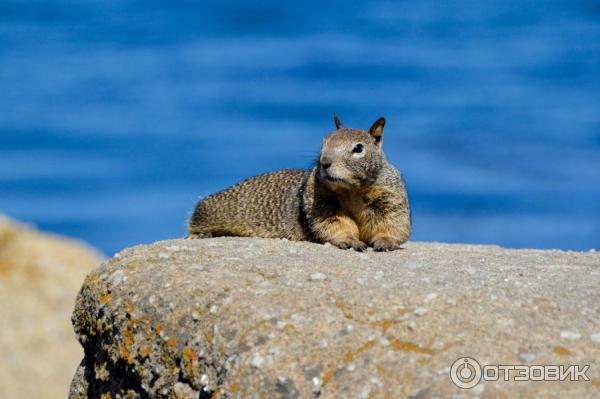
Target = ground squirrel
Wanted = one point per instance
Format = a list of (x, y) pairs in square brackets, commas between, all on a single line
[(351, 198)]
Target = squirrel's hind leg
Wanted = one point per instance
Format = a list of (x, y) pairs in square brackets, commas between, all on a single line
[(194, 236)]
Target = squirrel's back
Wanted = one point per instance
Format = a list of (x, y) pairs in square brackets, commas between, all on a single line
[(267, 205)]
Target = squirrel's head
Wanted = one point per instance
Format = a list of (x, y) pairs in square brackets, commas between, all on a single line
[(351, 157)]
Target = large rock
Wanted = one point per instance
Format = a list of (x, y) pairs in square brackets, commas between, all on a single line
[(233, 317), (39, 278)]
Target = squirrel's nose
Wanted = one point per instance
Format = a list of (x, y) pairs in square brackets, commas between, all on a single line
[(325, 162)]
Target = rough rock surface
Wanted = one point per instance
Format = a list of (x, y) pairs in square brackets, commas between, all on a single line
[(233, 317), (39, 278)]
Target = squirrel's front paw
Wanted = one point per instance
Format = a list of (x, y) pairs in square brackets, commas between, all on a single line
[(385, 243), (353, 243)]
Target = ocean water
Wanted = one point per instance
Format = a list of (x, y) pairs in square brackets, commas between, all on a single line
[(116, 117)]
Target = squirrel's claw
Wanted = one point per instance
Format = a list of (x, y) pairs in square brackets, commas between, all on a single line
[(353, 243), (384, 244)]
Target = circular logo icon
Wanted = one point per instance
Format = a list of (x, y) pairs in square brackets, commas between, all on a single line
[(465, 372)]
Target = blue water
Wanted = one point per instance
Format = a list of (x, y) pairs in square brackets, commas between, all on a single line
[(115, 117)]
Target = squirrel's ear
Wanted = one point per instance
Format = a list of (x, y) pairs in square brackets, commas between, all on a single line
[(377, 130), (338, 122)]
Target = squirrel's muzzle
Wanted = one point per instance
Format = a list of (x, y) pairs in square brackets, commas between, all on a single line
[(325, 162)]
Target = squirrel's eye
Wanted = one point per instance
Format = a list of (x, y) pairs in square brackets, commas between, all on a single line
[(358, 149)]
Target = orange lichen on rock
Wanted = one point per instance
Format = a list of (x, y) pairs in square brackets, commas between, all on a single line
[(409, 347), (561, 351), (105, 298), (145, 351), (340, 304), (384, 324), (350, 356)]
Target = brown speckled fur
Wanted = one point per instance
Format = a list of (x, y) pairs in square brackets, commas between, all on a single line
[(350, 199)]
